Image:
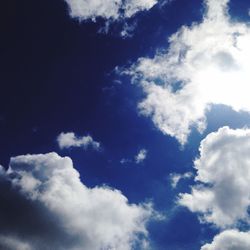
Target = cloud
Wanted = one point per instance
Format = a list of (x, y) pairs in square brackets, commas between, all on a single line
[(131, 7), (230, 240), (205, 64), (127, 30), (107, 9), (176, 178), (44, 205), (221, 195), (11, 243), (141, 156), (138, 158), (125, 161), (69, 140)]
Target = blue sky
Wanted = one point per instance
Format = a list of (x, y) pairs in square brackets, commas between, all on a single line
[(124, 125)]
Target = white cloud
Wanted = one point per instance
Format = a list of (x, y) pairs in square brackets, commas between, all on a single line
[(176, 178), (230, 240), (206, 64), (222, 193), (68, 140), (131, 7), (138, 158), (107, 9), (57, 211), (141, 156), (91, 9)]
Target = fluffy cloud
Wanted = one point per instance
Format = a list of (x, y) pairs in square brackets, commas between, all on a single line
[(68, 140), (230, 240), (141, 156), (222, 193), (107, 9), (46, 206), (205, 64)]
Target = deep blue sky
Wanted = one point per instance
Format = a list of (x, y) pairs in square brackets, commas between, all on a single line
[(58, 75)]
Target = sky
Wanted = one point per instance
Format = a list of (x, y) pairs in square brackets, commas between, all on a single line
[(125, 125)]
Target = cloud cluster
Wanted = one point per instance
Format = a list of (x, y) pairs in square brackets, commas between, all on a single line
[(222, 193), (69, 140), (205, 64), (230, 240), (107, 9), (57, 211)]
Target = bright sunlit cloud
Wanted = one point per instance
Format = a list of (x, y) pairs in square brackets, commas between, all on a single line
[(206, 64), (107, 9)]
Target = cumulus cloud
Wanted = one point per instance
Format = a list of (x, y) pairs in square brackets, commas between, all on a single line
[(176, 178), (107, 9), (141, 156), (69, 140), (230, 240), (221, 195), (205, 64), (44, 205)]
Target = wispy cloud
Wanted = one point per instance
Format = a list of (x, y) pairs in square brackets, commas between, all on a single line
[(176, 178), (138, 158)]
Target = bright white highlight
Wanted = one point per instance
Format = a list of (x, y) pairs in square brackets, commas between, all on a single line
[(107, 9), (206, 64)]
